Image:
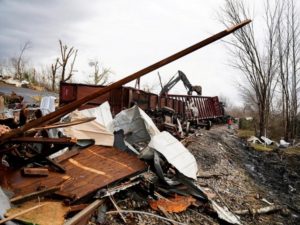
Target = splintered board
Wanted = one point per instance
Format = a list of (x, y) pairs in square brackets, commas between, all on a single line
[(93, 168)]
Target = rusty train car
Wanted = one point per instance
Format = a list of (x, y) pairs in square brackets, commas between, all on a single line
[(193, 108)]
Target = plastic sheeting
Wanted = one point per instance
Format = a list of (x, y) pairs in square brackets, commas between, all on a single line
[(175, 153), (47, 105)]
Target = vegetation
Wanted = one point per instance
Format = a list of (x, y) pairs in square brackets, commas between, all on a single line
[(261, 147), (269, 64)]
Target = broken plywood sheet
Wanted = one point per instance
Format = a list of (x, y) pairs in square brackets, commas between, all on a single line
[(90, 130), (175, 153), (51, 213), (94, 168)]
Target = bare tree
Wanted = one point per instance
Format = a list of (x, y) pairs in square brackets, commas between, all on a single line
[(288, 57), (67, 55), (54, 67), (99, 74), (18, 62), (257, 63), (295, 62)]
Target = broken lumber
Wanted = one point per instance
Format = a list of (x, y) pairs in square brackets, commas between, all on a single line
[(23, 198), (85, 213), (21, 213), (66, 124), (54, 116), (66, 155), (44, 172)]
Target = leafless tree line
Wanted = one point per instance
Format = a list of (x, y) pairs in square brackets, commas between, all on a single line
[(269, 63), (62, 70)]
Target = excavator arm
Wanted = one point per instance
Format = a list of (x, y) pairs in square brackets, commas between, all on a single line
[(174, 80)]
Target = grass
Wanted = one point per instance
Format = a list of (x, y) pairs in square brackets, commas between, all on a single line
[(245, 134), (292, 151), (260, 147)]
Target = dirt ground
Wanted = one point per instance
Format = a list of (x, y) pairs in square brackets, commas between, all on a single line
[(245, 178), (236, 177)]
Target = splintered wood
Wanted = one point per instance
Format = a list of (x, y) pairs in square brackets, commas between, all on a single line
[(173, 205), (93, 168)]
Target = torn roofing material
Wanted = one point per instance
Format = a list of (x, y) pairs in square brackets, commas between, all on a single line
[(137, 125), (89, 130), (175, 153), (102, 114)]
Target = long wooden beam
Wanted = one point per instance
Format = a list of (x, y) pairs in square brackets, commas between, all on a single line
[(74, 105)]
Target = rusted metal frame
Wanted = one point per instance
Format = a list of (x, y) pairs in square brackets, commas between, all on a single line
[(201, 108), (204, 108), (208, 106), (218, 106), (74, 105), (196, 102), (122, 94), (214, 107), (211, 107), (185, 108), (196, 96)]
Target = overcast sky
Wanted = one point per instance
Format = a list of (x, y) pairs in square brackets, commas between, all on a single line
[(125, 35)]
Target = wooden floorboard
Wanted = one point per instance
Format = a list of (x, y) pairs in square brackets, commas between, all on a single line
[(93, 168)]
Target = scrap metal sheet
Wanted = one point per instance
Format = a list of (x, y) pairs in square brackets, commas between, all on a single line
[(94, 168), (175, 153)]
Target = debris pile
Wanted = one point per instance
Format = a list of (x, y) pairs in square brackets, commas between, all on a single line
[(73, 171), (63, 166)]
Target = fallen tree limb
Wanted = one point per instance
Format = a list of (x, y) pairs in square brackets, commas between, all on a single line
[(263, 210), (117, 208)]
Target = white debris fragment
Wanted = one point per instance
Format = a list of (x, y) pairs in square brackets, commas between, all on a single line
[(175, 153)]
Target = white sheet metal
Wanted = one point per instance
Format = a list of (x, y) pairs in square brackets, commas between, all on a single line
[(102, 114), (176, 154), (137, 125), (90, 130)]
